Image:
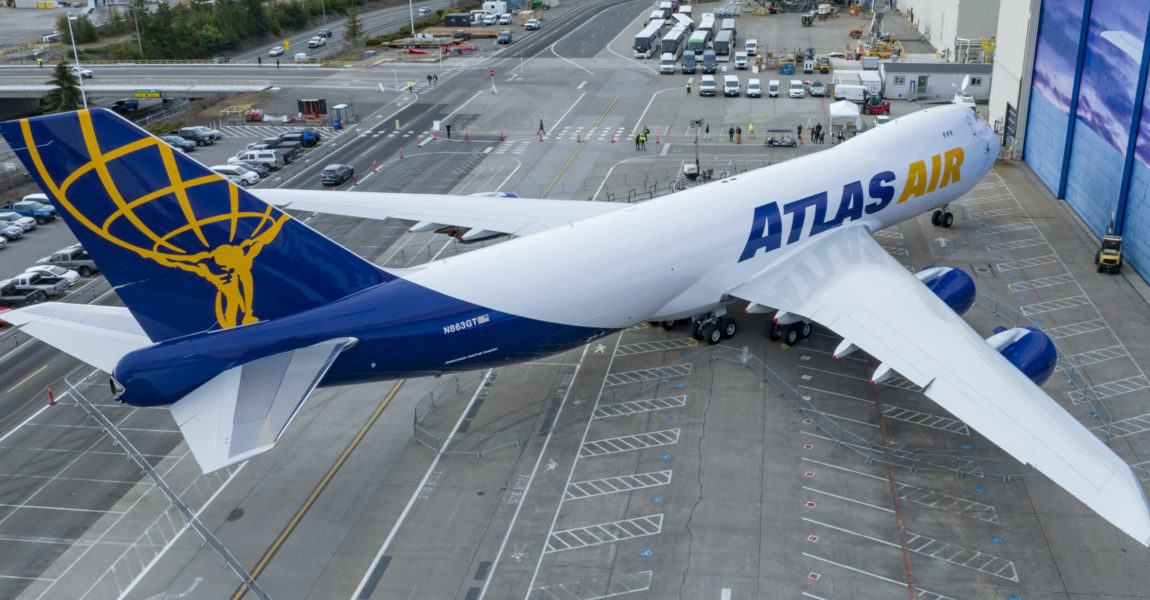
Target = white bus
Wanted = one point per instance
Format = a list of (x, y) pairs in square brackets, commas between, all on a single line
[(675, 42), (698, 42), (707, 23), (647, 42), (681, 20)]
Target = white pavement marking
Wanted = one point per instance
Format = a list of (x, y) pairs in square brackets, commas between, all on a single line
[(555, 125), (846, 499), (418, 489), (921, 593), (639, 122), (571, 473), (531, 478), (175, 537)]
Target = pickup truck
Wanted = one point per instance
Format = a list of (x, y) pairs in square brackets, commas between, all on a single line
[(13, 297), (49, 284), (37, 207), (126, 105), (73, 257), (199, 134)]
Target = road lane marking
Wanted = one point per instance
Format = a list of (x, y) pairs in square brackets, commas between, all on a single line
[(25, 380)]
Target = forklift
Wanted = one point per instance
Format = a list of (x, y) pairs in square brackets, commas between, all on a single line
[(1109, 255)]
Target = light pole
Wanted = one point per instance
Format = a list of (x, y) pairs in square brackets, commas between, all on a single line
[(698, 123), (139, 42), (411, 13), (76, 55), (323, 8)]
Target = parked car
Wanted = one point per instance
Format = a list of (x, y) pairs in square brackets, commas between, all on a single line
[(126, 105), (336, 174), (261, 169), (460, 34), (306, 139), (818, 89), (179, 143), (505, 19), (489, 20), (236, 174), (532, 24), (276, 51), (273, 159), (66, 274), (316, 131), (37, 207), (11, 231), (316, 42), (199, 134), (797, 89), (3, 244), (81, 72), (504, 37), (26, 223), (73, 257)]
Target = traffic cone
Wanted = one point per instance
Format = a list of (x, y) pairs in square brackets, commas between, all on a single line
[(612, 137), (501, 135), (418, 142), (401, 153), (434, 134), (51, 398), (656, 138), (465, 136), (354, 179), (578, 137), (373, 165)]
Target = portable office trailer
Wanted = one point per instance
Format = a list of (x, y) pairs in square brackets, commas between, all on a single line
[(941, 80)]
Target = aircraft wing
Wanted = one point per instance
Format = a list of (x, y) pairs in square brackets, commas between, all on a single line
[(847, 282), (513, 216), (97, 335), (241, 412)]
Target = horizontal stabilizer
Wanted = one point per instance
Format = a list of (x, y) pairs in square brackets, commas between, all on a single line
[(241, 412), (97, 335)]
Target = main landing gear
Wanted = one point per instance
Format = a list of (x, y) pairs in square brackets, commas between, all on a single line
[(791, 333), (711, 329), (942, 217)]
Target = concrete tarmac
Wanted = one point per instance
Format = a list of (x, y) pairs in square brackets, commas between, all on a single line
[(644, 465)]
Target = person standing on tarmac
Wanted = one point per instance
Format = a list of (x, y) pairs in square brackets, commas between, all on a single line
[(751, 129), (688, 88), (731, 135), (410, 86), (799, 129)]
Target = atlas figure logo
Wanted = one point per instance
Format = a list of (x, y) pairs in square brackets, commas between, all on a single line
[(209, 237), (767, 224)]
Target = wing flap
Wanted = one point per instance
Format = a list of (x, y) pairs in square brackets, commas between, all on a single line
[(243, 411), (847, 282), (515, 216), (97, 335)]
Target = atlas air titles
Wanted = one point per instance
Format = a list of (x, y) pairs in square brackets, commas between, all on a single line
[(922, 178)]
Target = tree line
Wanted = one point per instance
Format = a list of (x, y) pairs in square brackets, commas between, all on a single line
[(201, 29)]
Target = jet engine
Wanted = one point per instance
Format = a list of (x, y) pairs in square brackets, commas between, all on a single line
[(1028, 349)]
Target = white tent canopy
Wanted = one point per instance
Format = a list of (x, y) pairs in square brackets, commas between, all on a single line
[(845, 113)]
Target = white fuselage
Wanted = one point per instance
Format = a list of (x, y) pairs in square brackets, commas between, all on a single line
[(680, 255)]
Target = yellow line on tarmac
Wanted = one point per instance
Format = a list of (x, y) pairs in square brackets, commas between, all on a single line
[(579, 149), (315, 493), (25, 380)]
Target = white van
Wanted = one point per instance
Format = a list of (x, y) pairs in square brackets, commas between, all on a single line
[(707, 85), (797, 89), (302, 57), (854, 93), (271, 158), (667, 63), (751, 46), (773, 88), (740, 60), (731, 85), (754, 88)]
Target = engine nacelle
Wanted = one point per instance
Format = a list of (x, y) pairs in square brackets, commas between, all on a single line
[(953, 286), (1028, 349), (496, 194)]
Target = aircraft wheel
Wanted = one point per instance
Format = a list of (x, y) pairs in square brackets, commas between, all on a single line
[(667, 324), (775, 333), (805, 330), (947, 220), (792, 335), (935, 217), (730, 328)]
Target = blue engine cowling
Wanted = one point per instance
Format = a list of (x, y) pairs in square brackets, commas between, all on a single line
[(954, 286), (1028, 349)]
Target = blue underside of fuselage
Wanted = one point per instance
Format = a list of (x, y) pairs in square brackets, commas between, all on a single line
[(403, 330)]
